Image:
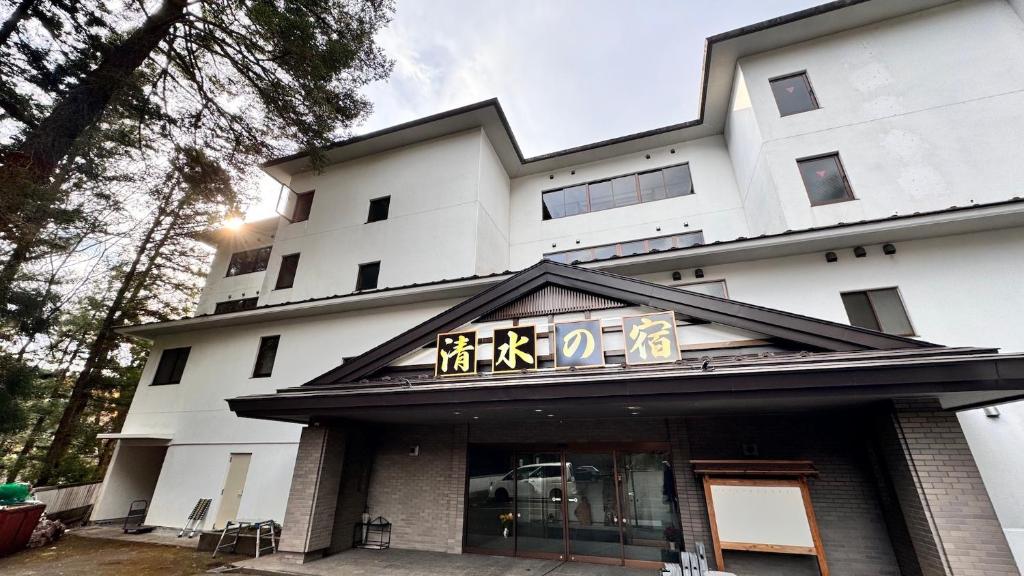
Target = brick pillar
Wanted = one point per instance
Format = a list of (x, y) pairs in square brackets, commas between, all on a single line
[(693, 510), (456, 492), (313, 498), (952, 525)]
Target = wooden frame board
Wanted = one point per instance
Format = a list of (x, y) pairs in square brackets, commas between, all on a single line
[(816, 549)]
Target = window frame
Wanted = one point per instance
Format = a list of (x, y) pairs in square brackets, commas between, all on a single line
[(842, 174), (369, 211), (722, 281), (874, 312), (311, 194), (266, 264), (163, 354), (610, 180), (259, 349), (618, 247), (277, 281), (810, 92), (254, 299), (359, 276)]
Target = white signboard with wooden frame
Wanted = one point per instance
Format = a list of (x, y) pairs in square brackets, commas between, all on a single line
[(772, 515)]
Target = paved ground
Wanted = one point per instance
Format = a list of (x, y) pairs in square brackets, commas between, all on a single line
[(412, 563), (82, 556), (164, 536)]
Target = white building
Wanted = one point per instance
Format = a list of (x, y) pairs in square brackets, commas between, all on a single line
[(857, 162)]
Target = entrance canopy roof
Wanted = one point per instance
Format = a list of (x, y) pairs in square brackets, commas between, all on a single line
[(775, 361)]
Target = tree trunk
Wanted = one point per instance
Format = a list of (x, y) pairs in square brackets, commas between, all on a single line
[(26, 169), (98, 352)]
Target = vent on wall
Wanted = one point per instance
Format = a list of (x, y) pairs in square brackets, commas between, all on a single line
[(551, 300)]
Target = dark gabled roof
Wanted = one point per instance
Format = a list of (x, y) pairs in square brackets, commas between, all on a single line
[(819, 334)]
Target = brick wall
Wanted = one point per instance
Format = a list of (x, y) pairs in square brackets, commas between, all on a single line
[(846, 504), (422, 496), (952, 525), (313, 496), (355, 483)]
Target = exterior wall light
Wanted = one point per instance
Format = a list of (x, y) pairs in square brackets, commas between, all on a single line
[(677, 275), (860, 252), (831, 257), (698, 273), (888, 249), (992, 411)]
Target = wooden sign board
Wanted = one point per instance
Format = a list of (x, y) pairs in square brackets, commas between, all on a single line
[(763, 515)]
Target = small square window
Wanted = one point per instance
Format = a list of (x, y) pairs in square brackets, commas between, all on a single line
[(286, 275), (265, 356), (171, 366), (880, 310), (303, 206), (366, 279), (825, 179), (379, 208), (793, 94)]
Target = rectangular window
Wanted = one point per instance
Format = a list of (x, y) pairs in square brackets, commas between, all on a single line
[(235, 305), (793, 94), (880, 310), (265, 356), (286, 275), (303, 206), (379, 208), (250, 261), (633, 248), (825, 179), (366, 279), (669, 182), (711, 288), (171, 366)]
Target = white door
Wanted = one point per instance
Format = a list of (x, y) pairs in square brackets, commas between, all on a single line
[(234, 484)]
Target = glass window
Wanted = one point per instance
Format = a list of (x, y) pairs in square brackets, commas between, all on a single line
[(825, 180), (249, 261), (608, 251), (601, 197), (554, 204), (691, 239), (624, 191), (235, 305), (490, 496), (379, 208), (631, 248), (286, 275), (303, 206), (652, 186), (265, 356), (171, 366), (678, 181), (575, 200), (710, 288), (793, 94), (663, 243), (878, 310), (578, 256), (366, 278)]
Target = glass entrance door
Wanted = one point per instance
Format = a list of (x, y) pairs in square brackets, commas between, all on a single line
[(539, 505), (650, 507), (610, 507), (592, 508)]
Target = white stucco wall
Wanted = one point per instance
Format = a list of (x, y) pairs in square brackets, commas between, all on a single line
[(714, 207), (924, 111)]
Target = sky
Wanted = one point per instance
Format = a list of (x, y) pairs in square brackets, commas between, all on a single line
[(567, 72)]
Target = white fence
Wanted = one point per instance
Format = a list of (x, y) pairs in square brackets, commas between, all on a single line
[(68, 497)]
